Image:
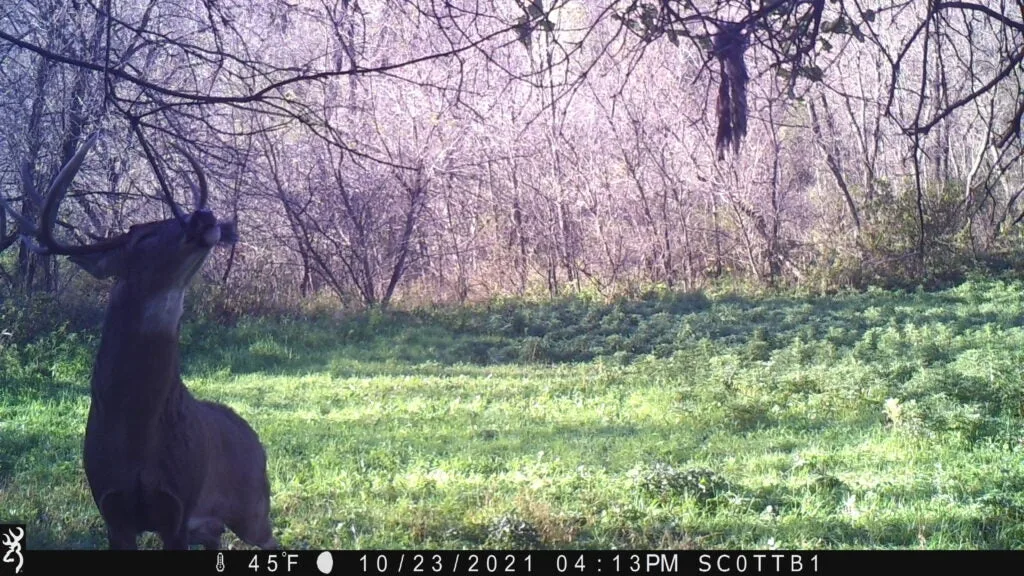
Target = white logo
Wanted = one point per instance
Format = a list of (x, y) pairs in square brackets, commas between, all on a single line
[(13, 544)]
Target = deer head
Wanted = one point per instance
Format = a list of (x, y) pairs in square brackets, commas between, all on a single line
[(149, 258)]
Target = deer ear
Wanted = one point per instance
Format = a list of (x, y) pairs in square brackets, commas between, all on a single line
[(100, 264)]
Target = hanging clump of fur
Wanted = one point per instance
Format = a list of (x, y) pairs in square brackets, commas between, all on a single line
[(730, 44)]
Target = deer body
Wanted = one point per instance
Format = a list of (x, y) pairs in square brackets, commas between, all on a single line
[(157, 459)]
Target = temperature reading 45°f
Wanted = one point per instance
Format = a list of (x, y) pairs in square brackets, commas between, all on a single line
[(274, 563)]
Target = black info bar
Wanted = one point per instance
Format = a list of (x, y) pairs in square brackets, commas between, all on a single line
[(508, 562)]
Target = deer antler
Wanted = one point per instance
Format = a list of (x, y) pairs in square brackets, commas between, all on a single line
[(58, 189), (201, 193), (175, 209), (54, 196)]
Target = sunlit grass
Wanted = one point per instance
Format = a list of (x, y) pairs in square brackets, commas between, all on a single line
[(875, 420)]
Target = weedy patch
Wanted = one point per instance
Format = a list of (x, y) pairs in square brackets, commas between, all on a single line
[(665, 481), (510, 531)]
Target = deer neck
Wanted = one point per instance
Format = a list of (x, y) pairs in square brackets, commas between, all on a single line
[(138, 363)]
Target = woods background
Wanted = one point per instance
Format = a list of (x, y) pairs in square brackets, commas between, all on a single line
[(377, 152)]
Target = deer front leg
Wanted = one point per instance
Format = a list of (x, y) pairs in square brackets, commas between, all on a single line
[(175, 541), (117, 514), (210, 543), (206, 532), (122, 538)]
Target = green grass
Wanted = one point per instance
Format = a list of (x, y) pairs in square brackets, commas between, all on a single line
[(870, 420)]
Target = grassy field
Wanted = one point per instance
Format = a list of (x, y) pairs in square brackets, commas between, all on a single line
[(872, 420)]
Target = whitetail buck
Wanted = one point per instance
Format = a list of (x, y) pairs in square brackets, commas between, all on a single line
[(157, 459)]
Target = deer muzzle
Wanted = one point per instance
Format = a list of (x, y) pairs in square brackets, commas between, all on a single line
[(202, 227), (211, 236)]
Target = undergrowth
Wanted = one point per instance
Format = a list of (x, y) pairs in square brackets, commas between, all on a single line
[(876, 419)]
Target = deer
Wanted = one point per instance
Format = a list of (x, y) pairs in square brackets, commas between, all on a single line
[(156, 458)]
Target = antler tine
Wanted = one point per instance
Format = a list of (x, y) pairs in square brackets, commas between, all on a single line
[(201, 193), (168, 196), (24, 224), (54, 196), (26, 180), (59, 187)]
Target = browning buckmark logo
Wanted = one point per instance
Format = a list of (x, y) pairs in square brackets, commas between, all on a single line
[(11, 537)]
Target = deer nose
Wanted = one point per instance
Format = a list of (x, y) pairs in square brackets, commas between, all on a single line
[(205, 215), (202, 219), (200, 223), (211, 236)]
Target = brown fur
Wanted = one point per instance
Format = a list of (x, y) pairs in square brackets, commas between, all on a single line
[(157, 459)]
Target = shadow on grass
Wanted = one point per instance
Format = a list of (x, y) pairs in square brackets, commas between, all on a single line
[(571, 330), (50, 392), (455, 341)]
